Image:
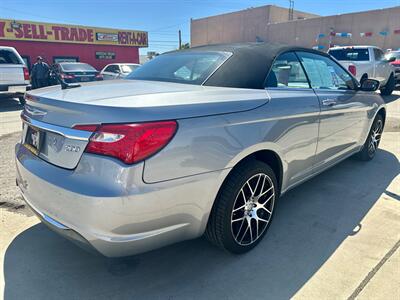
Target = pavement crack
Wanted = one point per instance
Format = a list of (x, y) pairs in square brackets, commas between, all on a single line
[(372, 273)]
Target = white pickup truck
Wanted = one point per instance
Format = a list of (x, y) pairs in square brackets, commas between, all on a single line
[(14, 75), (367, 62)]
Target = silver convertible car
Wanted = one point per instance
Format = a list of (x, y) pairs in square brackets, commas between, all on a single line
[(199, 141)]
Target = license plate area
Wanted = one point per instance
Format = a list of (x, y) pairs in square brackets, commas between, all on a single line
[(33, 139)]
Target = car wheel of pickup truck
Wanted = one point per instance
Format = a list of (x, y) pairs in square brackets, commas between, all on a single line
[(244, 207), (389, 87)]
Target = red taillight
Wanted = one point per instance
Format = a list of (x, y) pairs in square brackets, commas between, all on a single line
[(353, 70), (26, 74), (99, 77), (67, 76), (130, 143)]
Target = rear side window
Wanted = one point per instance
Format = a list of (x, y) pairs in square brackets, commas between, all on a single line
[(324, 73), (350, 54), (77, 67), (112, 69), (287, 72), (188, 67), (8, 57), (378, 54)]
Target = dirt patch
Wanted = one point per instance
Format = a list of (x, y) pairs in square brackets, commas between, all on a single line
[(10, 196)]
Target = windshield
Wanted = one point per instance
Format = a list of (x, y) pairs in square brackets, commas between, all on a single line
[(393, 54), (350, 54), (77, 67), (8, 57), (129, 68), (181, 67)]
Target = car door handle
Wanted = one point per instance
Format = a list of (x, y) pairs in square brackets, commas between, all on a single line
[(328, 102)]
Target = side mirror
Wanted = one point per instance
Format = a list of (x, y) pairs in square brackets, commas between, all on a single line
[(391, 59), (369, 85)]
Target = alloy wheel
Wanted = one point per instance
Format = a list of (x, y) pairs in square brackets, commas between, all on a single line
[(252, 210)]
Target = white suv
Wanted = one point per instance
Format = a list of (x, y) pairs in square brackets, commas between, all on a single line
[(118, 71), (14, 75), (367, 62)]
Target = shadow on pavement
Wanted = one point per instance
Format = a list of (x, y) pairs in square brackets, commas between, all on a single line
[(391, 98), (9, 104), (311, 223)]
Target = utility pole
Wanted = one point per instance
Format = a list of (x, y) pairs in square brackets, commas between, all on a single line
[(180, 39), (291, 9)]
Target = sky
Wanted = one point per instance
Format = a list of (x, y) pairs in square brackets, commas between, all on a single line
[(161, 18)]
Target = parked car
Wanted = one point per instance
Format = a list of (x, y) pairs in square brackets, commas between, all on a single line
[(203, 140), (394, 56), (14, 74), (118, 71), (72, 72), (367, 62)]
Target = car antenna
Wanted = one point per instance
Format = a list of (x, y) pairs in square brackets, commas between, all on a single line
[(65, 85)]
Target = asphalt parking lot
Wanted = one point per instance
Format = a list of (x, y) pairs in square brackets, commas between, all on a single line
[(335, 237)]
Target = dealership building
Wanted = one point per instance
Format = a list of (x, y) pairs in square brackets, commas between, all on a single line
[(276, 24), (59, 42)]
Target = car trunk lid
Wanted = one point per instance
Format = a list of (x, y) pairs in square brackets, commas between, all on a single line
[(55, 111)]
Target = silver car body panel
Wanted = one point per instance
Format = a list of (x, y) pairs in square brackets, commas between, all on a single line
[(126, 209)]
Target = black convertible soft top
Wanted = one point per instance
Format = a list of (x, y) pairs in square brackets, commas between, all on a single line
[(249, 64)]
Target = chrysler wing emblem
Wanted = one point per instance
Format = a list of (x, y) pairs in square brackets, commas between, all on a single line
[(34, 111)]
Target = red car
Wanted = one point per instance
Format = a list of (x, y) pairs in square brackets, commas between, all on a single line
[(395, 63)]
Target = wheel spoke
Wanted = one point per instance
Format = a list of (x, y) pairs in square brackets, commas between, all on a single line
[(266, 209), (239, 208), (251, 190), (238, 219), (240, 229), (244, 234), (269, 199), (251, 230), (263, 193), (263, 220), (258, 181)]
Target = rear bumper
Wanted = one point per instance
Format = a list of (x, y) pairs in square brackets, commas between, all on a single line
[(14, 89), (106, 205)]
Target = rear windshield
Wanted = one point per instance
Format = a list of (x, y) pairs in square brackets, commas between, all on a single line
[(77, 67), (129, 68), (181, 67), (9, 57), (350, 54)]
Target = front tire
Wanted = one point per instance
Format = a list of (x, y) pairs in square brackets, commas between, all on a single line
[(244, 208), (371, 144), (389, 87)]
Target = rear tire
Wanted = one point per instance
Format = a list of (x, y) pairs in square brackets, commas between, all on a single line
[(370, 147), (244, 207), (389, 87)]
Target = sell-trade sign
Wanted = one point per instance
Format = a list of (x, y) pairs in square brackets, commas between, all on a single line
[(61, 33)]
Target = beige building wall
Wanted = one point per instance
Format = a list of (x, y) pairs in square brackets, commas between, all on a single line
[(239, 26), (247, 26)]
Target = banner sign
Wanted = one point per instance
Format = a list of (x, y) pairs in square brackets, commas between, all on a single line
[(365, 34), (61, 33), (105, 55)]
